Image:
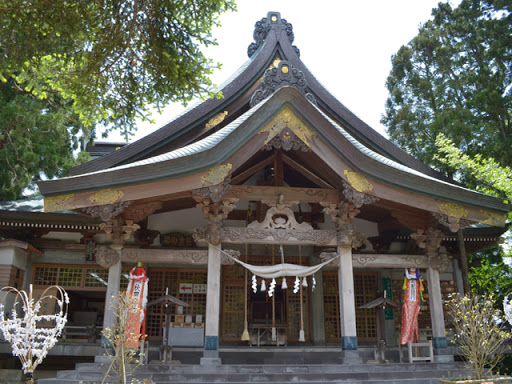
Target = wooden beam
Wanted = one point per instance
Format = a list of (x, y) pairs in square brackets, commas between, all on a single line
[(251, 171), (306, 172), (304, 195)]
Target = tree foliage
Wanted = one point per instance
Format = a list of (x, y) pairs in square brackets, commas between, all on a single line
[(37, 139), (455, 78), (66, 66)]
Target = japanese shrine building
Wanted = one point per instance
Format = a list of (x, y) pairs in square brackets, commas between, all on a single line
[(277, 162)]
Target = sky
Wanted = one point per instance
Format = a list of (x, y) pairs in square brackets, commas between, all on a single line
[(347, 45)]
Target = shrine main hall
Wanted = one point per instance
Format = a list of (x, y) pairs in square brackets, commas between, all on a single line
[(278, 176)]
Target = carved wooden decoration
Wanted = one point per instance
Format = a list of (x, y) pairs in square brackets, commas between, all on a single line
[(451, 222), (429, 240), (226, 260), (107, 212), (263, 27), (214, 192), (139, 212), (172, 256), (277, 77), (356, 197), (215, 211), (106, 256), (341, 213)]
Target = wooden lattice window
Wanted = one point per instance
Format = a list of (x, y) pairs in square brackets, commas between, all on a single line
[(74, 277), (365, 288), (331, 308), (159, 281), (232, 302)]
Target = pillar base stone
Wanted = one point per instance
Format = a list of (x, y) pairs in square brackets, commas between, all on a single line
[(351, 357), (211, 361)]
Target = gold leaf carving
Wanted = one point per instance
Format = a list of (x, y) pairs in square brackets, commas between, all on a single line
[(217, 174), (358, 181), (58, 203), (217, 119), (495, 219), (453, 210), (106, 196), (287, 119)]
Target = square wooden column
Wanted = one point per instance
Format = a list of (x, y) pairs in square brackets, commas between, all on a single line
[(347, 299), (211, 338), (113, 284)]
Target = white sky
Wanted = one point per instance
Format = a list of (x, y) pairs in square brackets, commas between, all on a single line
[(347, 45)]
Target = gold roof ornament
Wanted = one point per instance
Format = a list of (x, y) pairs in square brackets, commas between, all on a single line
[(106, 196), (217, 174), (358, 181), (58, 203)]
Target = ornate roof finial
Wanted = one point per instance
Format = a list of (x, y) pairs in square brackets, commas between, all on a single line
[(263, 27), (277, 77)]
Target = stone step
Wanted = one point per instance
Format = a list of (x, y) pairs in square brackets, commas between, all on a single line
[(371, 376), (279, 368)]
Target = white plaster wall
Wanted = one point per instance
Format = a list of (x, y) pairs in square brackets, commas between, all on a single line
[(184, 220), (13, 256), (68, 237)]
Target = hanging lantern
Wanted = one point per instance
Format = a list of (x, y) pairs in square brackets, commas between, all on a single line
[(284, 285)]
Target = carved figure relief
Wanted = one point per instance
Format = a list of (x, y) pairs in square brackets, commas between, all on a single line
[(106, 256), (440, 263)]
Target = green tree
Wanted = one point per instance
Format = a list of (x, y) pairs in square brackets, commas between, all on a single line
[(489, 272), (67, 66), (455, 77), (37, 139)]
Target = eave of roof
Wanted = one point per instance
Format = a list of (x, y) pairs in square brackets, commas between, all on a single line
[(216, 148)]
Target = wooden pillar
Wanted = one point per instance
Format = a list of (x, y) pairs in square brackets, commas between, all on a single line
[(113, 284), (211, 338), (347, 299), (436, 309)]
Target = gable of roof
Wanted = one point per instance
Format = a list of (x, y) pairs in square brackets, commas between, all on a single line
[(273, 39)]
